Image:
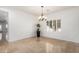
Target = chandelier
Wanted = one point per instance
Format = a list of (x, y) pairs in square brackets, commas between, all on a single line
[(42, 17)]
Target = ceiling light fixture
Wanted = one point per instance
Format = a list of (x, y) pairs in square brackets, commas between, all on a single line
[(42, 17)]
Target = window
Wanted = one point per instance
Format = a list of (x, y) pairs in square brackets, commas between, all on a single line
[(55, 25), (59, 25)]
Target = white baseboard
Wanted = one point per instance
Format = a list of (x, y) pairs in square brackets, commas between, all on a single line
[(13, 40)]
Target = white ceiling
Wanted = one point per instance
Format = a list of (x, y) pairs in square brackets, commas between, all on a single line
[(36, 10)]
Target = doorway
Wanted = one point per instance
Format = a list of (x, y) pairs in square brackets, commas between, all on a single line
[(3, 26)]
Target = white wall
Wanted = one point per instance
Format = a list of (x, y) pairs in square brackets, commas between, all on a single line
[(69, 25), (21, 24)]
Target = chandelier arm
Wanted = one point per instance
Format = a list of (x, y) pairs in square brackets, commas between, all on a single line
[(42, 10), (42, 17)]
